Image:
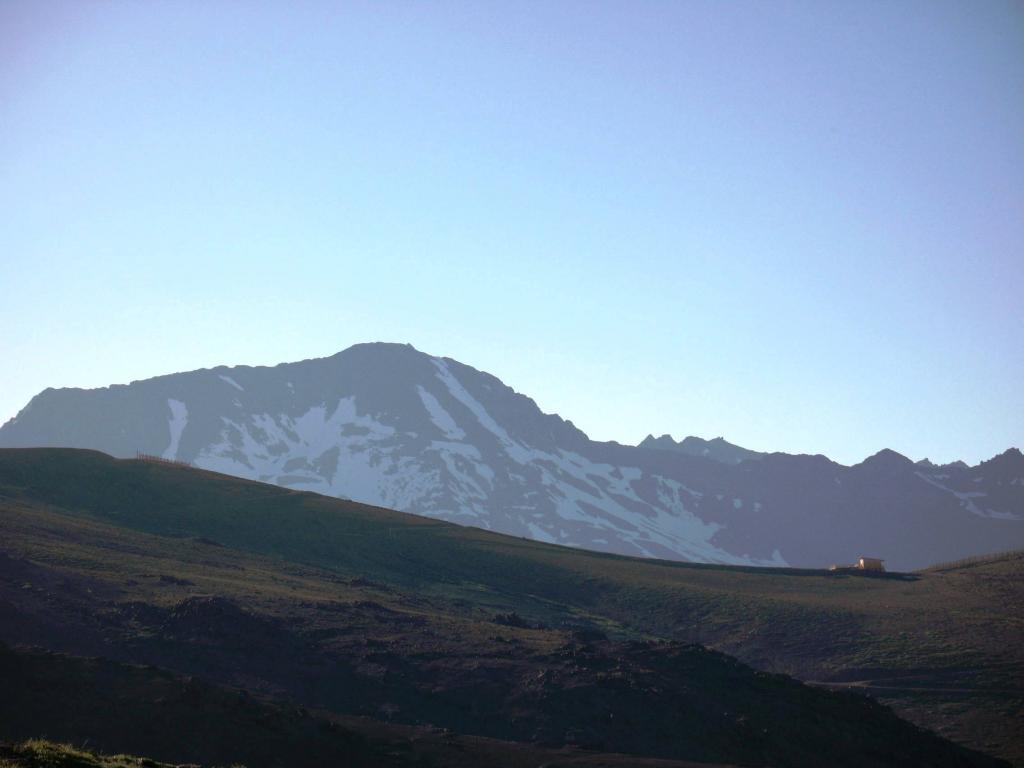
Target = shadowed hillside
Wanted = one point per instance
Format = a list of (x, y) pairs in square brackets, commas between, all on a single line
[(112, 706), (359, 610)]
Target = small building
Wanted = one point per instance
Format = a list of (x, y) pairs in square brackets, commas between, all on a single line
[(872, 564)]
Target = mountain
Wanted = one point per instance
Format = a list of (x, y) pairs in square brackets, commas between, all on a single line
[(276, 627), (391, 426), (718, 449)]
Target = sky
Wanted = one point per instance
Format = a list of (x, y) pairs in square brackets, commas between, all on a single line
[(797, 225)]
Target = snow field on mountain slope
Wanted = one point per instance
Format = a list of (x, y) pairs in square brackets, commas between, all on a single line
[(569, 498), (176, 424)]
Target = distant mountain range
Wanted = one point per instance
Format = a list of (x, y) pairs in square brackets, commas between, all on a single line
[(388, 425)]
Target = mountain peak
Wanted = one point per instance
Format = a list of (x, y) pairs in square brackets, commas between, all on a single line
[(1009, 463), (717, 449), (665, 442), (380, 347), (887, 458)]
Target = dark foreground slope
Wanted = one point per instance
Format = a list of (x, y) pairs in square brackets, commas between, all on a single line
[(361, 611), (120, 707)]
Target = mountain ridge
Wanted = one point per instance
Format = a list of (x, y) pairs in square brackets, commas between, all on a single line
[(389, 425), (664, 442)]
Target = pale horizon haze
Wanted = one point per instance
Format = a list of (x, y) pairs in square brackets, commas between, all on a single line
[(795, 225)]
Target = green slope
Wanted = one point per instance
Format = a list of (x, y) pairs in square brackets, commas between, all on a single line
[(41, 753)]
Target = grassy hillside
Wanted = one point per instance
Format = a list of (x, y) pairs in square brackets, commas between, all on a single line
[(410, 603), (40, 753)]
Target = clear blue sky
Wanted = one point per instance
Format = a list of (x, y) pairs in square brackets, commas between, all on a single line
[(797, 225)]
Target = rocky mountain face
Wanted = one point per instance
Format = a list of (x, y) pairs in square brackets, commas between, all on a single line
[(388, 425)]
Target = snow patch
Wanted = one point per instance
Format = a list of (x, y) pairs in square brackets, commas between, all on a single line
[(441, 418), (997, 515), (230, 381), (517, 452), (176, 424), (967, 499), (338, 453), (539, 534)]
